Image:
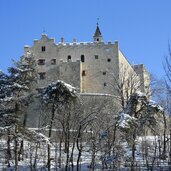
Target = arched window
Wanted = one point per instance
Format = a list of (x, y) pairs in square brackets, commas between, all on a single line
[(69, 58), (82, 58), (83, 73)]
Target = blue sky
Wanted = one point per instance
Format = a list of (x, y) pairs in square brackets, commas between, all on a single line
[(143, 28)]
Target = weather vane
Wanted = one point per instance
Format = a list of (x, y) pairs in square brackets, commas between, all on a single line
[(97, 21)]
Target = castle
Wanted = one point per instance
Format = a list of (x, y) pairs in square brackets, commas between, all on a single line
[(93, 67)]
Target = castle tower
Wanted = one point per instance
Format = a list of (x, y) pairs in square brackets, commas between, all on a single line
[(97, 35)]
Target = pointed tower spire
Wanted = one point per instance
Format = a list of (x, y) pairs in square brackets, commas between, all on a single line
[(97, 35), (44, 31)]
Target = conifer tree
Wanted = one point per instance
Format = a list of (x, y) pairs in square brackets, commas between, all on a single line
[(15, 96)]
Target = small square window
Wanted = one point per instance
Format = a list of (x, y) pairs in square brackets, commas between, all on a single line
[(104, 73), (108, 59), (104, 84), (42, 75), (83, 73), (41, 62), (53, 61), (96, 56)]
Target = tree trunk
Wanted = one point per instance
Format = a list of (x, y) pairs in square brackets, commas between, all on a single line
[(169, 162), (93, 157), (49, 161), (21, 151), (67, 159), (67, 140), (31, 164), (67, 151), (154, 158), (113, 142), (133, 153), (79, 152), (16, 148), (60, 152), (72, 154), (35, 157), (8, 149), (50, 134), (78, 160), (56, 156), (164, 138)]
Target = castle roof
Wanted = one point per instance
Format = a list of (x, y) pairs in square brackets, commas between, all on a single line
[(97, 32)]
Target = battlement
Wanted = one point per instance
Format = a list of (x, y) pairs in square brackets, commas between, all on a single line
[(45, 39), (85, 43)]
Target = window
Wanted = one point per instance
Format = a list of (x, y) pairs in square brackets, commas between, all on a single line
[(108, 59), (105, 84), (83, 73), (42, 75), (69, 57), (104, 73), (53, 61), (41, 61), (96, 56), (97, 39), (43, 48), (82, 58)]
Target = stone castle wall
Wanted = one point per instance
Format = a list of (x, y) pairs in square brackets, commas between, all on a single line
[(92, 67)]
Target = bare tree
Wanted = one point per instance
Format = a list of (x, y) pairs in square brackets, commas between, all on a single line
[(167, 68), (124, 84)]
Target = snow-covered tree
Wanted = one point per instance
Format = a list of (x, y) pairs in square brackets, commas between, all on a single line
[(15, 96), (56, 97), (137, 117), (22, 79)]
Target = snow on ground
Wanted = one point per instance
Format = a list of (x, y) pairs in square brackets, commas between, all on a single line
[(85, 159)]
